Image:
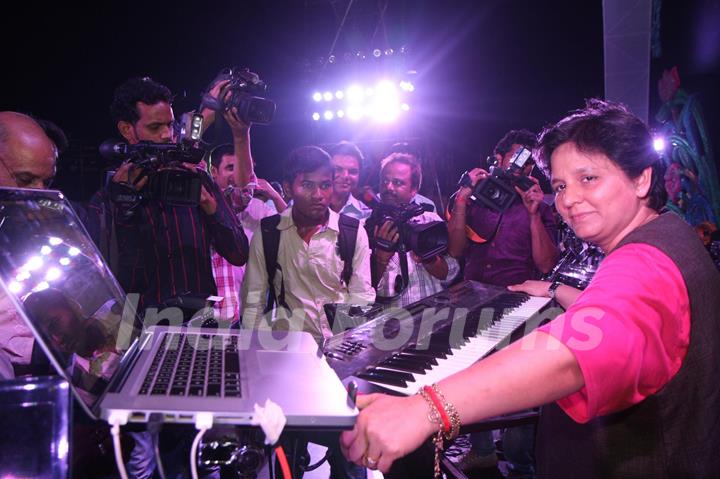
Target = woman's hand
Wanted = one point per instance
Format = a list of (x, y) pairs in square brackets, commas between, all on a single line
[(387, 428)]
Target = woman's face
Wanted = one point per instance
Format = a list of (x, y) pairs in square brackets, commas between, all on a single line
[(595, 197)]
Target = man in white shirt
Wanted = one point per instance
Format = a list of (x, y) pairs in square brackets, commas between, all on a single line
[(400, 178), (347, 160)]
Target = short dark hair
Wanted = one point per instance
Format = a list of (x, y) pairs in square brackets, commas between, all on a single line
[(525, 138), (406, 159), (611, 129), (349, 149), (143, 89), (305, 159), (216, 155), (406, 148)]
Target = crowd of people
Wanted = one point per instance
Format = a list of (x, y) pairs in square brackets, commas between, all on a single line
[(628, 375)]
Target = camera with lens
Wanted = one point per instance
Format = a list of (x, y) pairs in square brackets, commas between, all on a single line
[(244, 91), (497, 191), (426, 240), (161, 163)]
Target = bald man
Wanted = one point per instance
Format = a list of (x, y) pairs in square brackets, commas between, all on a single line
[(27, 160), (27, 155)]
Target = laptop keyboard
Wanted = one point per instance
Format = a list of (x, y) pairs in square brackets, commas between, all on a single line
[(194, 365)]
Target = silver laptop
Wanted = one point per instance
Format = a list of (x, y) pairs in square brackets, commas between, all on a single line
[(53, 274)]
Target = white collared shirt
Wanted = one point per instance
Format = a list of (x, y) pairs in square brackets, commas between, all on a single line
[(355, 208), (311, 274)]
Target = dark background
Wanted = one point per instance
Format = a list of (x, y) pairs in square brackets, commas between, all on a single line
[(483, 67)]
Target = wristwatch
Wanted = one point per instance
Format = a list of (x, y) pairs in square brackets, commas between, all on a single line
[(553, 288)]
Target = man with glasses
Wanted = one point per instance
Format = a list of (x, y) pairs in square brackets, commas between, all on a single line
[(27, 160)]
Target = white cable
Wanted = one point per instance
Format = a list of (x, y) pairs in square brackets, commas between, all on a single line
[(116, 419), (203, 422)]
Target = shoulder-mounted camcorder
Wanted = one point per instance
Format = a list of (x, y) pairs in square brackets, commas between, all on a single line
[(244, 91)]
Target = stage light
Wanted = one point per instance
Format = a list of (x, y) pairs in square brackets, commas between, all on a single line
[(328, 96), (369, 92), (355, 94), (45, 250), (54, 241), (331, 59), (340, 114), (317, 96), (407, 86), (15, 287), (52, 274), (22, 276), (354, 112), (73, 251), (377, 53), (33, 263), (316, 116), (405, 107), (43, 285), (389, 52), (339, 94), (64, 261), (659, 144), (328, 115)]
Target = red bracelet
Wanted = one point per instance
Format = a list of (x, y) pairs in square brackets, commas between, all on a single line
[(438, 405)]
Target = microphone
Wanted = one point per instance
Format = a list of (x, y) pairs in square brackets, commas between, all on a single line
[(113, 149)]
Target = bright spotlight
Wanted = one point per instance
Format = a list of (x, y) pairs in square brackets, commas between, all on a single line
[(340, 114), (15, 287), (33, 263), (22, 276), (405, 107), (659, 144), (52, 274), (339, 94), (355, 94), (354, 112), (64, 261), (73, 251), (407, 86), (317, 96), (43, 285), (54, 241), (377, 53), (328, 115), (45, 250), (328, 96)]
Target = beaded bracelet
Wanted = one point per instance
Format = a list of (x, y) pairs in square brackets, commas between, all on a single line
[(449, 425)]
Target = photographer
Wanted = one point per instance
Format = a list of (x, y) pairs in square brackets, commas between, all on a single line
[(159, 249), (504, 248), (400, 179), (511, 246)]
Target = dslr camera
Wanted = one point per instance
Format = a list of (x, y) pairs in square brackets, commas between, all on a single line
[(244, 91), (161, 163), (426, 240), (497, 191)]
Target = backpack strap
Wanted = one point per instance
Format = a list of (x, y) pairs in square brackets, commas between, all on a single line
[(347, 238), (271, 245)]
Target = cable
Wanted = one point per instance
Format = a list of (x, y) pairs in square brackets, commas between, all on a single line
[(203, 422), (117, 419), (283, 462), (337, 34)]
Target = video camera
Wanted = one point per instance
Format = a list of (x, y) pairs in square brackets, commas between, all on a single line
[(497, 191), (167, 180), (426, 240), (244, 91)]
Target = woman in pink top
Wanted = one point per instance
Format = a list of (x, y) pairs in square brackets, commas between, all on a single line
[(630, 374)]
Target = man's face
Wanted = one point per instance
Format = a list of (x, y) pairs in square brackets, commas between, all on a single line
[(224, 174), (347, 173), (155, 124), (396, 183), (311, 194), (27, 160)]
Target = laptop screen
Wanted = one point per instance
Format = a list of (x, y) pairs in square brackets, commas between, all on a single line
[(54, 279)]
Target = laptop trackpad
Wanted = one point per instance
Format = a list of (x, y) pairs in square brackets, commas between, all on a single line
[(270, 362)]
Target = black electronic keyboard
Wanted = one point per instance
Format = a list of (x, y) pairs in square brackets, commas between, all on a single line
[(404, 349)]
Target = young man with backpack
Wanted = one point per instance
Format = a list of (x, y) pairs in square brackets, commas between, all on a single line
[(306, 256)]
